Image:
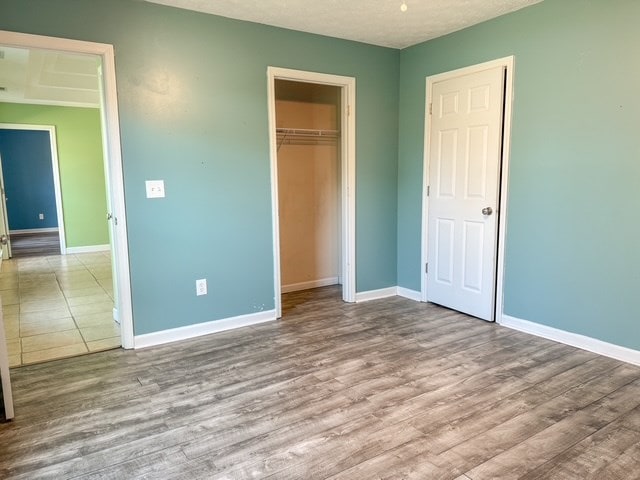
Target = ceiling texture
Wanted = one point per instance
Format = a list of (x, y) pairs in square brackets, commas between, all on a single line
[(55, 78), (377, 22)]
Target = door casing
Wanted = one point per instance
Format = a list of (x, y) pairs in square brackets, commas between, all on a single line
[(111, 153), (348, 165), (508, 63), (5, 253)]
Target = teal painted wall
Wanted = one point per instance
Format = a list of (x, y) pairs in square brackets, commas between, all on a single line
[(572, 260), (192, 92)]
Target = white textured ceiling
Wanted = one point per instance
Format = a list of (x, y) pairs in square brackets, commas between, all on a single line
[(378, 22), (44, 77)]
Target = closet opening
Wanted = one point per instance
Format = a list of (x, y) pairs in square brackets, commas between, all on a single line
[(308, 135), (312, 177)]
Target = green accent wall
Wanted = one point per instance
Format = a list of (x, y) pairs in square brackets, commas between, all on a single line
[(572, 260), (81, 166), (192, 94)]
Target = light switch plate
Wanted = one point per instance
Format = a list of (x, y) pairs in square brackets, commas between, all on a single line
[(155, 188)]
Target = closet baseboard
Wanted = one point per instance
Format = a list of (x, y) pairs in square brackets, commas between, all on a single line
[(323, 282), (388, 292), (410, 294), (376, 294)]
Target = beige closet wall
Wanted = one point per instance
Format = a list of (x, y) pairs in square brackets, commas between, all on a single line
[(308, 187)]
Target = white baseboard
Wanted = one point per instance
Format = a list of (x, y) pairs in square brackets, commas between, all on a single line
[(34, 230), (388, 292), (323, 282), (89, 249), (376, 294), (199, 329), (207, 328), (410, 294), (574, 339)]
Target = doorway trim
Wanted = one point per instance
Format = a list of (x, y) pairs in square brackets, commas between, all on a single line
[(55, 165), (112, 157), (508, 64), (348, 169)]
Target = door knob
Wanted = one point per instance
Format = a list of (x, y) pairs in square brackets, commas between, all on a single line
[(4, 240), (487, 211)]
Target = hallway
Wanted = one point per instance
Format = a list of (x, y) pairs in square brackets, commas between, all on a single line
[(57, 306), (34, 244)]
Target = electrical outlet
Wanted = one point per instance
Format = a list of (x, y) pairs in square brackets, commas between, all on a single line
[(154, 188), (201, 287), (41, 216)]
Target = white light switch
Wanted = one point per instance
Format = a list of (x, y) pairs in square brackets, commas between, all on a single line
[(155, 188)]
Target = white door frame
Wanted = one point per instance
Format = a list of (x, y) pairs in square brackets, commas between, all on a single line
[(5, 253), (55, 165), (5, 374), (111, 152), (348, 163), (508, 64)]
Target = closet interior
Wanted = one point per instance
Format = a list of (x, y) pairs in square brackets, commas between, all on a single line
[(309, 184)]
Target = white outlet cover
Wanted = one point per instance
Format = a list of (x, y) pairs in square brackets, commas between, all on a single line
[(155, 188), (201, 286)]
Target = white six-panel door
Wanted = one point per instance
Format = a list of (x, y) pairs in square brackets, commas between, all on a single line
[(466, 117)]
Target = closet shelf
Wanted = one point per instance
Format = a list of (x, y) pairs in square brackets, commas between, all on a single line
[(306, 136)]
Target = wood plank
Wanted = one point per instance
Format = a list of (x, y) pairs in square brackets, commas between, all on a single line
[(540, 447), (590, 455), (35, 244), (457, 427), (623, 467), (385, 389)]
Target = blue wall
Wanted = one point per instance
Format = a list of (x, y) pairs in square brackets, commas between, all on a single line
[(28, 179), (192, 92), (572, 257)]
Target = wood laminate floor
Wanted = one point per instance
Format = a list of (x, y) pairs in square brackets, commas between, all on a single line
[(35, 244), (384, 389)]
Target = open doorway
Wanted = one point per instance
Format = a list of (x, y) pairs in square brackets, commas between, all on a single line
[(92, 279), (31, 216), (308, 132), (312, 132)]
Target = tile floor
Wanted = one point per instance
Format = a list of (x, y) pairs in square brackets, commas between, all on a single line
[(57, 306)]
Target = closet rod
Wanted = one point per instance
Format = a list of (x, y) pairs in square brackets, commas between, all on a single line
[(307, 132), (306, 136)]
